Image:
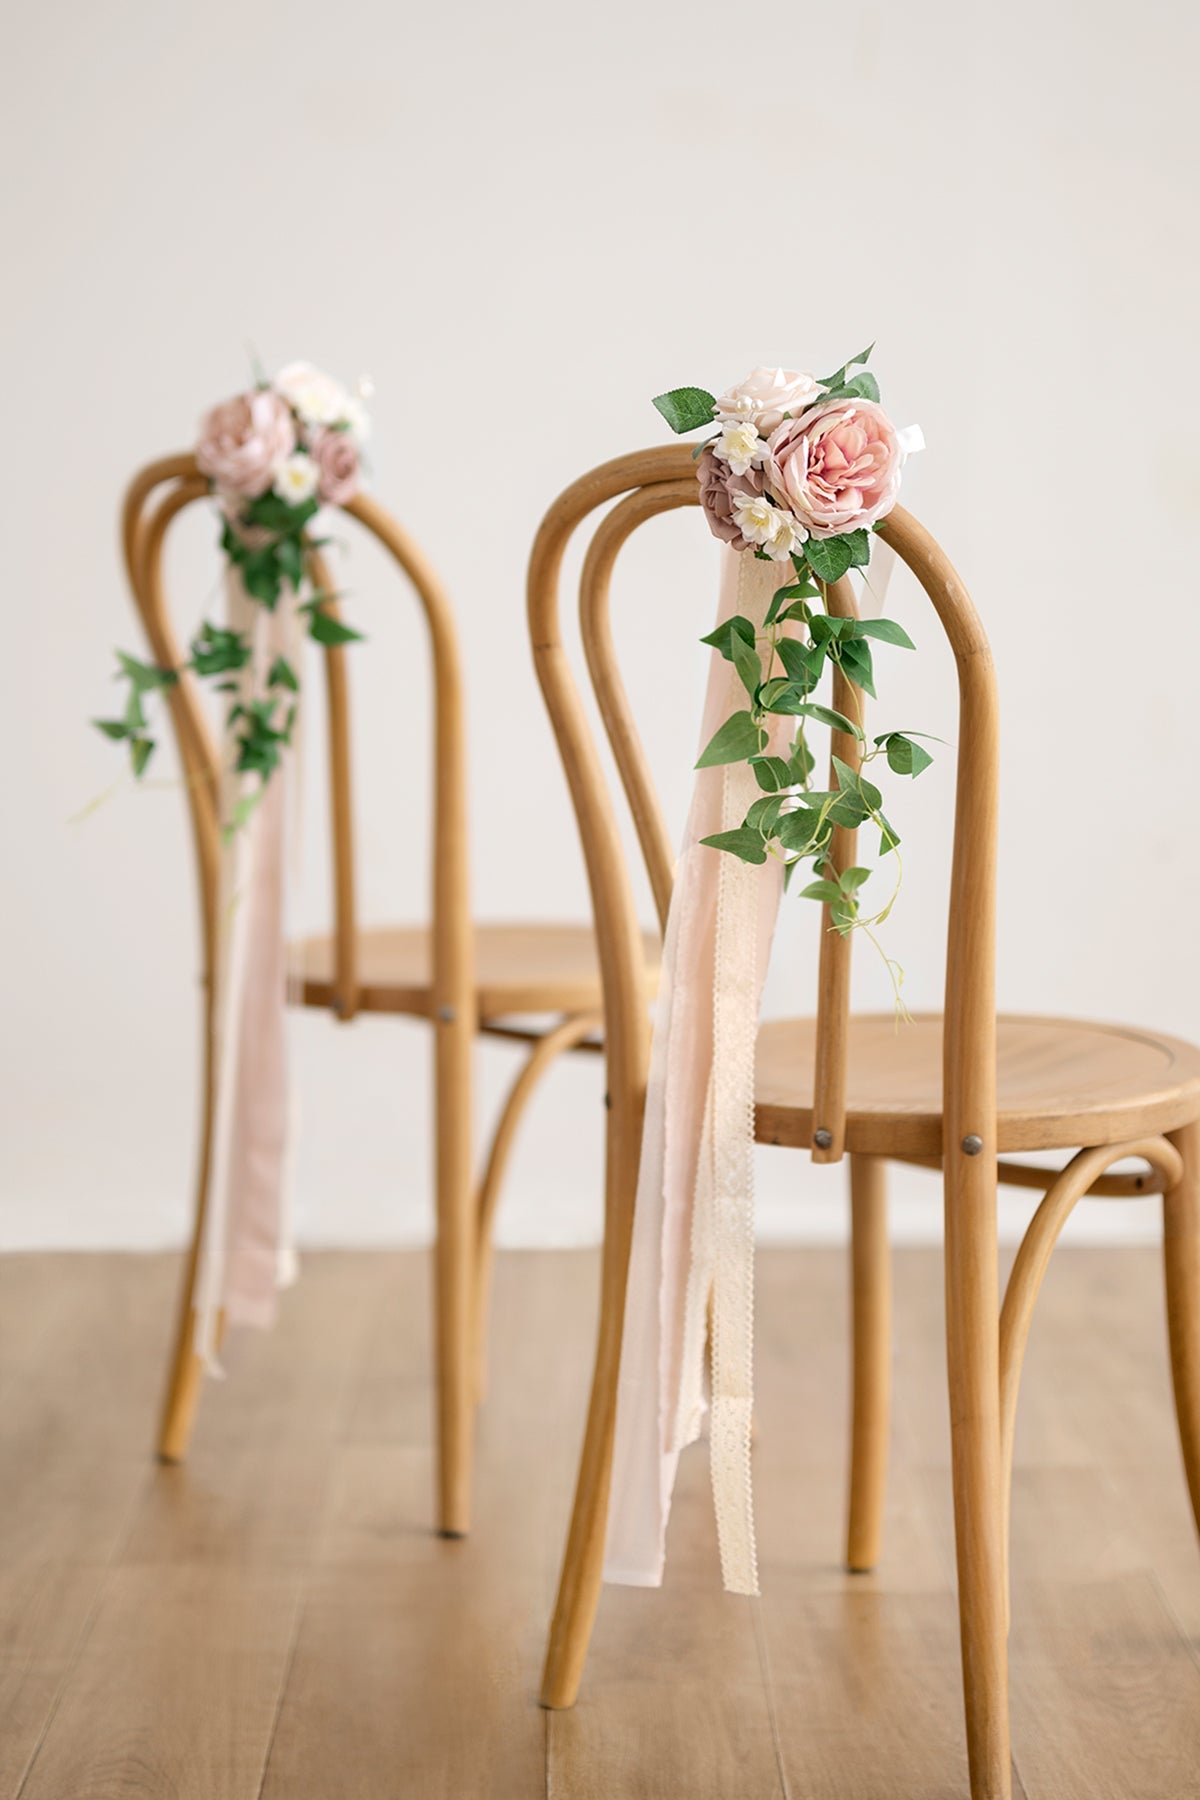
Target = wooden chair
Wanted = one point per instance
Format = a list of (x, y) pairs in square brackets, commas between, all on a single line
[(961, 1093), (462, 979)]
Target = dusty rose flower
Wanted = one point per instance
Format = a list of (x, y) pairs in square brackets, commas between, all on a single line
[(336, 456), (245, 441), (837, 466), (718, 485), (765, 395)]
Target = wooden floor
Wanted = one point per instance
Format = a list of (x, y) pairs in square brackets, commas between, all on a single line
[(275, 1619)]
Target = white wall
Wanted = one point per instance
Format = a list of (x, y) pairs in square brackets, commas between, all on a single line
[(523, 221)]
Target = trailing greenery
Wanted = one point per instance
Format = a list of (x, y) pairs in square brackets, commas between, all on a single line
[(271, 560)]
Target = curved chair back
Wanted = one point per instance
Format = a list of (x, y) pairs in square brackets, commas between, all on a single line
[(645, 484), (155, 498)]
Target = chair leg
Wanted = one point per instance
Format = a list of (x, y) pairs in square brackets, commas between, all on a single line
[(972, 1347), (871, 1301), (1181, 1253), (546, 1051), (185, 1373), (454, 1267), (583, 1561)]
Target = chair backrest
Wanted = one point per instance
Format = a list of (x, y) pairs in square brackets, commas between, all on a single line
[(155, 498), (658, 481)]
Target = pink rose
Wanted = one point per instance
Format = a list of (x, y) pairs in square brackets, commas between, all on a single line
[(718, 484), (837, 466), (244, 441), (336, 457)]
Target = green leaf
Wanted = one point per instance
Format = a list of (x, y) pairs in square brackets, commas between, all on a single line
[(852, 880), (802, 760), (786, 697), (886, 631), (854, 781), (763, 815), (283, 675), (824, 891), (803, 662), (686, 408), (146, 676), (772, 773), (802, 830), (736, 741), (746, 662), (859, 543), (141, 749), (828, 715), (243, 810), (905, 757), (855, 658), (722, 638), (289, 555), (839, 375), (323, 628), (748, 845), (862, 387), (825, 628), (829, 558), (798, 591), (215, 651), (262, 577), (113, 728), (274, 514), (889, 837)]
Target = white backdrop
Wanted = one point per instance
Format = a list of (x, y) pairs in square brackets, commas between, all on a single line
[(523, 221)]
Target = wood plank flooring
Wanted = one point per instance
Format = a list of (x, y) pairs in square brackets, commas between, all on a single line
[(275, 1622)]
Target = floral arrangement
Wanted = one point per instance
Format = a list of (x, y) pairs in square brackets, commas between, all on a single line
[(801, 471), (272, 456)]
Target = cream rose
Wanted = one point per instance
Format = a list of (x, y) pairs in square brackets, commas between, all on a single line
[(766, 396), (315, 396), (245, 441), (837, 467)]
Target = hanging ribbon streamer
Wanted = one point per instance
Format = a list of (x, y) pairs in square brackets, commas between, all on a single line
[(246, 1250), (693, 1232)]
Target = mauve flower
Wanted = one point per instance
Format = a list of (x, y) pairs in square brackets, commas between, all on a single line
[(766, 395), (245, 441), (718, 485), (336, 456), (837, 466)]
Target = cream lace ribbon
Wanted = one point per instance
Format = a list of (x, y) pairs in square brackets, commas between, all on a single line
[(246, 1249), (693, 1234)]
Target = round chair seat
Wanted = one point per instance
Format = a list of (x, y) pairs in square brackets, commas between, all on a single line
[(1060, 1083), (518, 969)]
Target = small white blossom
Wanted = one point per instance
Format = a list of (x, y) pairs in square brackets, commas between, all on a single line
[(755, 517), (789, 536), (740, 446), (297, 479)]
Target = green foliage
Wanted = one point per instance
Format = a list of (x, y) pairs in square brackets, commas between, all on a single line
[(686, 408), (269, 546), (738, 739)]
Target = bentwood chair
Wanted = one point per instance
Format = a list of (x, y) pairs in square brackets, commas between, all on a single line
[(460, 978), (964, 1093)]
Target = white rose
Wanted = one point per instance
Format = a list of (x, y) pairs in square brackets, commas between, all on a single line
[(318, 398), (297, 479), (740, 446), (767, 395)]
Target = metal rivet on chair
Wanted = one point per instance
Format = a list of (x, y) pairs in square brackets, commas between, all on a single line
[(446, 1014), (822, 1138), (972, 1145)]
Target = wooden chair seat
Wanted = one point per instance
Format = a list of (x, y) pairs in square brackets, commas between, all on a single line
[(518, 969), (1060, 1083)]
